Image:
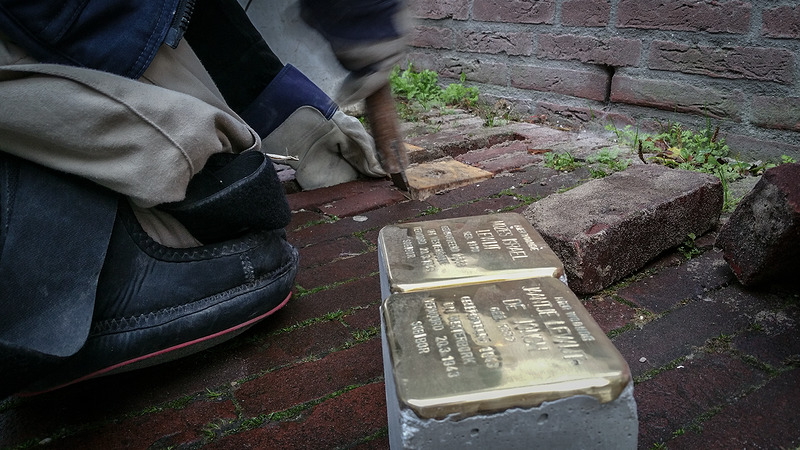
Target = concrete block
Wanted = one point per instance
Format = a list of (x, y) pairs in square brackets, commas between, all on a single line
[(761, 241), (606, 229)]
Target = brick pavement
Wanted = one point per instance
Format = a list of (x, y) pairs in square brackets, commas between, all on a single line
[(716, 365)]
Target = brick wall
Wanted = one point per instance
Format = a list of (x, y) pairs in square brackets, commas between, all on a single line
[(630, 61)]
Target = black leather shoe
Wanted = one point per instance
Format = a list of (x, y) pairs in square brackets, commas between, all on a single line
[(232, 195), (156, 303)]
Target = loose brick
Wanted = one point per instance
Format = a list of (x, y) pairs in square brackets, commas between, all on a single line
[(673, 398), (781, 22), (782, 113), (590, 83), (685, 15), (752, 63), (676, 96), (439, 9), (772, 410), (761, 241), (588, 49), (432, 37), (606, 229), (510, 43), (689, 281), (585, 13), (676, 334), (520, 11)]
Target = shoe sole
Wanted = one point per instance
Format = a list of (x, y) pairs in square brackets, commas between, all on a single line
[(170, 353)]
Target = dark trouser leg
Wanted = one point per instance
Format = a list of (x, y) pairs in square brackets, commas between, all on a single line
[(232, 50)]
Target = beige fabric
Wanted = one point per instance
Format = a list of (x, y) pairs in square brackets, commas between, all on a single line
[(144, 139), (134, 137)]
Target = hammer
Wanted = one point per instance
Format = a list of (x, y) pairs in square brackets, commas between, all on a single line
[(386, 132)]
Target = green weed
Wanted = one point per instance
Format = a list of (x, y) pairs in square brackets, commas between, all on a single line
[(689, 249), (563, 162), (420, 91), (605, 162)]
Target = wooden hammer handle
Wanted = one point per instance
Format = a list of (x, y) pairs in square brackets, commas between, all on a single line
[(386, 131)]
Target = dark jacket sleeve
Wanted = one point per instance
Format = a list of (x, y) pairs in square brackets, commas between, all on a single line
[(117, 36)]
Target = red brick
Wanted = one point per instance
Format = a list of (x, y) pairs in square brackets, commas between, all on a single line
[(676, 96), (520, 11), (338, 271), (766, 418), (782, 113), (275, 351), (170, 427), (321, 199), (363, 319), (363, 292), (439, 9), (510, 43), (589, 83), (343, 227), (673, 285), (673, 398), (685, 15), (329, 251), (338, 422), (302, 218), (582, 114), (609, 314), (774, 343), (495, 151), (781, 22), (611, 227), (752, 63), (482, 190), (300, 383), (677, 333), (761, 241), (432, 37), (509, 162), (544, 181), (588, 49), (474, 69), (585, 13)]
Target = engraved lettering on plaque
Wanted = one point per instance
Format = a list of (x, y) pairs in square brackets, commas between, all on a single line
[(440, 253), (489, 347)]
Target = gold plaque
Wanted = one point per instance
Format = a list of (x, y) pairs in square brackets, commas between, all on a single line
[(483, 348), (467, 250)]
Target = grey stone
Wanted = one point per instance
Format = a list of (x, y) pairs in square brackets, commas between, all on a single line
[(608, 228), (761, 240)]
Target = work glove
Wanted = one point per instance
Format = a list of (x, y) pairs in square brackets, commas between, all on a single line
[(368, 37), (299, 123)]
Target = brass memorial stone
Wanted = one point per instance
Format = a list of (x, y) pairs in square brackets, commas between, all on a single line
[(481, 348), (467, 250)]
